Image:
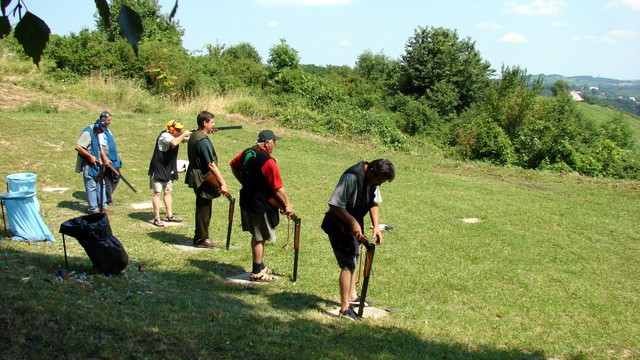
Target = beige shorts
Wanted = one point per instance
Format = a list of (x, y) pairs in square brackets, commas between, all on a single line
[(258, 225), (160, 186)]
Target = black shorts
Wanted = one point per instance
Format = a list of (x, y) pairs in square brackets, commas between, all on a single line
[(345, 260), (345, 246)]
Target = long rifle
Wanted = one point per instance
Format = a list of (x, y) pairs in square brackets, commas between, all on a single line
[(371, 249), (296, 234), (220, 128), (210, 178), (233, 127), (122, 177)]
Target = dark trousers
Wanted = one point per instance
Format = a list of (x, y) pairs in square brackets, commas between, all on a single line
[(203, 218), (111, 181)]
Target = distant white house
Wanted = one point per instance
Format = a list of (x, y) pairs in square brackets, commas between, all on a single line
[(576, 95)]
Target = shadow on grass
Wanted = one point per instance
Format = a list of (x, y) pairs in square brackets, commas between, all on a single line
[(176, 314), (299, 301), (218, 268), (72, 205), (144, 216), (168, 237), (80, 195)]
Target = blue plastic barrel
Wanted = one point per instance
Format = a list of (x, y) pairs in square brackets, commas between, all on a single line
[(23, 217), (21, 182)]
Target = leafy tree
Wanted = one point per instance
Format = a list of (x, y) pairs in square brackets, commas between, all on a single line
[(376, 68), (245, 64), (282, 56), (437, 60), (242, 51), (558, 87), (157, 25), (478, 137), (619, 132), (33, 33), (511, 99), (90, 51)]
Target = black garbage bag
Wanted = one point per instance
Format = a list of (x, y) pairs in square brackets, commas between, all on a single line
[(93, 232)]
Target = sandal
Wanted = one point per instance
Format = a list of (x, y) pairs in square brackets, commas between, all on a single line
[(174, 218), (157, 222), (263, 276)]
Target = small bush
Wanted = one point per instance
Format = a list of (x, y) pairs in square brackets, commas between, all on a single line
[(249, 107), (479, 138), (39, 106)]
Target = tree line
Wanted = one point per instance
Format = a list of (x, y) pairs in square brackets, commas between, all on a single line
[(440, 91)]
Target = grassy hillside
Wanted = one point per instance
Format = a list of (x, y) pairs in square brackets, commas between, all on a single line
[(600, 114), (551, 272)]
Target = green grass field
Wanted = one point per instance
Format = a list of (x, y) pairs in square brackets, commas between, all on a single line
[(552, 271)]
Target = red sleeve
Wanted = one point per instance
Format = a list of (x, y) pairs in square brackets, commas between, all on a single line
[(236, 163), (272, 174)]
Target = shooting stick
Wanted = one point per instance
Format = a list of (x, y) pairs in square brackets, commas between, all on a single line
[(296, 246), (232, 203), (371, 249), (210, 178), (296, 234)]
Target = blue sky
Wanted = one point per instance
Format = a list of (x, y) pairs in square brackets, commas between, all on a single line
[(566, 37)]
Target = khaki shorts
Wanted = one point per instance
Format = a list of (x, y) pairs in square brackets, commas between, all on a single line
[(258, 225), (160, 186)]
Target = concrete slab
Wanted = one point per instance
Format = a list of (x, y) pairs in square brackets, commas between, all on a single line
[(244, 279), (141, 206), (188, 246), (57, 190), (370, 312), (471, 220), (166, 224)]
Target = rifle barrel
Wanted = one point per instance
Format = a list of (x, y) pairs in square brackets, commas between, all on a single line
[(233, 127)]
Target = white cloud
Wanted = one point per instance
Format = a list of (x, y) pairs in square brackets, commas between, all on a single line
[(513, 37), (489, 26), (631, 4), (345, 42), (272, 23), (303, 2), (610, 38), (623, 34), (598, 40), (536, 7), (558, 24)]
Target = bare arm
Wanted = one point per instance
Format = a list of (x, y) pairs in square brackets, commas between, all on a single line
[(281, 195), (180, 138), (105, 159), (218, 176), (373, 214), (82, 151)]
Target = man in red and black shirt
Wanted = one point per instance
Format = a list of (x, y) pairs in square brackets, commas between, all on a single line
[(262, 187)]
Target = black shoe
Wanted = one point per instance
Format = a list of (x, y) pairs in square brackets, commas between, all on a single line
[(350, 314)]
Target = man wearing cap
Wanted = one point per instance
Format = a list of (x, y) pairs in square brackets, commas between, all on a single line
[(163, 169), (88, 162), (204, 177), (108, 143), (260, 177)]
